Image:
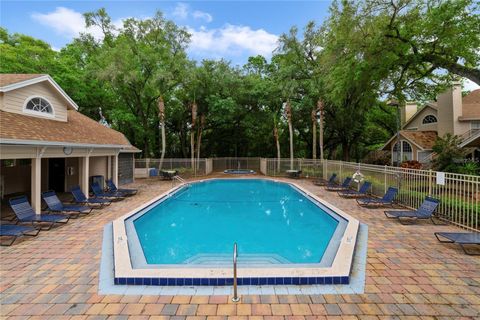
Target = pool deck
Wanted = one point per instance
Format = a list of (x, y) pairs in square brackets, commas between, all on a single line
[(409, 276)]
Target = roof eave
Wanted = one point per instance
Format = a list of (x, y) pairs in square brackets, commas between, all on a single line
[(60, 144)]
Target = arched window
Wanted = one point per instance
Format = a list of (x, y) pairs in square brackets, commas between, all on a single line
[(40, 105), (406, 147), (429, 119), (406, 152)]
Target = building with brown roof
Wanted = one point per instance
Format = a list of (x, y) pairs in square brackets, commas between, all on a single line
[(450, 113), (45, 143)]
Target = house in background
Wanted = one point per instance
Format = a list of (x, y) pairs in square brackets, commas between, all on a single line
[(46, 144), (451, 113)]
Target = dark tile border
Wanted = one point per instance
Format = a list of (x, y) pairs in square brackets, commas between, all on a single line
[(229, 281)]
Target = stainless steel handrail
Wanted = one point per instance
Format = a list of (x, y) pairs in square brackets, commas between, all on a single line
[(235, 297)]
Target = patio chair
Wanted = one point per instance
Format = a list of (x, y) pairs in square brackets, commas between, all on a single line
[(14, 231), (98, 191), (386, 200), (323, 182), (344, 186), (24, 213), (362, 192), (461, 238), (79, 197), (55, 205), (425, 211), (113, 188)]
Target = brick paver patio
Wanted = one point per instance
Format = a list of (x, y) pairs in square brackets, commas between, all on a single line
[(409, 276)]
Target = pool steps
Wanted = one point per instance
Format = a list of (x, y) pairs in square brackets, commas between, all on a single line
[(243, 259)]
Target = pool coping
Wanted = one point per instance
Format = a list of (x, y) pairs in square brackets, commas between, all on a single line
[(337, 273)]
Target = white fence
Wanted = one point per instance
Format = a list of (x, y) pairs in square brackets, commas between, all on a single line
[(185, 167), (459, 194)]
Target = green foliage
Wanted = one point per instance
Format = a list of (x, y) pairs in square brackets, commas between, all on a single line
[(364, 52), (448, 153)]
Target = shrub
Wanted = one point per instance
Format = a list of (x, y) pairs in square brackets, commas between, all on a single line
[(411, 164)]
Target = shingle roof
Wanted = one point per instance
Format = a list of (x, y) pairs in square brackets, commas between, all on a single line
[(11, 78), (79, 129), (471, 105), (424, 139)]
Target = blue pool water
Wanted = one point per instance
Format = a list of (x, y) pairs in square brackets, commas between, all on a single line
[(265, 218)]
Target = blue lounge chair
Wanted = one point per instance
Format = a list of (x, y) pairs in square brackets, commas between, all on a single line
[(98, 191), (362, 192), (462, 238), (425, 211), (386, 200), (55, 205), (14, 231), (80, 197), (25, 213), (113, 188), (323, 182), (344, 186)]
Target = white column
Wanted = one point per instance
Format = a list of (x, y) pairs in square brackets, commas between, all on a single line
[(115, 169), (109, 167), (36, 179), (84, 173)]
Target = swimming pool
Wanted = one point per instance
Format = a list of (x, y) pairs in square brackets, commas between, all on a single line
[(270, 221), (282, 232)]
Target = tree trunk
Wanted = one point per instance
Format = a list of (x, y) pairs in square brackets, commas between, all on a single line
[(277, 143), (320, 134), (314, 134), (161, 115), (346, 151), (192, 134), (199, 139), (288, 111)]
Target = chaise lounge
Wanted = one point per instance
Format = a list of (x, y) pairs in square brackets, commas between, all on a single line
[(55, 205), (14, 231), (362, 192), (424, 212), (461, 238), (80, 197), (344, 186), (98, 191), (24, 213), (386, 200), (113, 188), (323, 182)]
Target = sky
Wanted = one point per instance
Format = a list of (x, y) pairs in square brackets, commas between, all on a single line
[(233, 30)]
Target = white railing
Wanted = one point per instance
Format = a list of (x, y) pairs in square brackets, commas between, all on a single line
[(459, 194)]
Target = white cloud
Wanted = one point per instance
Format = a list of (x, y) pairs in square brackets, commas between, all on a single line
[(232, 40), (202, 15), (181, 11), (69, 23)]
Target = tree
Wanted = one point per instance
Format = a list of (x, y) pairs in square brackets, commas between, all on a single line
[(141, 62)]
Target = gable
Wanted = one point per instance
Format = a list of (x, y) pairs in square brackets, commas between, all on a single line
[(16, 99), (415, 122)]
